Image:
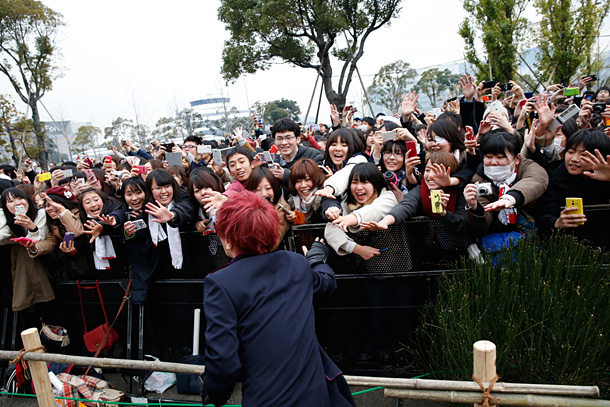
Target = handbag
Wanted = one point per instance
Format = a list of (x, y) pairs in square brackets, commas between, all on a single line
[(54, 338), (102, 338)]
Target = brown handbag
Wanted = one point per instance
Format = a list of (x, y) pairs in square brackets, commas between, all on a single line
[(104, 336)]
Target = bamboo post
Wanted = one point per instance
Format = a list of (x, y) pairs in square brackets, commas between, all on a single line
[(484, 361), (470, 386), (508, 399), (39, 371)]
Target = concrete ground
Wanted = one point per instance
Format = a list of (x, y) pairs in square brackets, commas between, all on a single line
[(370, 399)]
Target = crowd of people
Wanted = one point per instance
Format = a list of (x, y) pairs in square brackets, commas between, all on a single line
[(495, 161)]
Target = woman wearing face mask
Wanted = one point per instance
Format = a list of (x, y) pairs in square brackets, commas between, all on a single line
[(266, 185), (305, 179), (31, 284), (516, 183), (367, 199), (574, 178)]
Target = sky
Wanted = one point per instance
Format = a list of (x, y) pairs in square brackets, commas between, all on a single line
[(133, 57)]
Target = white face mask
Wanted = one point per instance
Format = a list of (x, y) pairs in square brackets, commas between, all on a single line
[(558, 146), (498, 173), (364, 127)]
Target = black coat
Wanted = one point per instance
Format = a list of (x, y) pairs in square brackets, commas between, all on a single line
[(261, 331), (563, 185)]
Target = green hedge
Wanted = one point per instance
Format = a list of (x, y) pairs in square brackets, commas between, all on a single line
[(546, 306)]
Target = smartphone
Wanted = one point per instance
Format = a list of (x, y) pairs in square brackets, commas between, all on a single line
[(262, 137), (571, 92), (470, 133), (496, 107), (115, 142), (528, 95), (107, 159), (20, 210), (173, 158), (288, 211), (23, 239), (139, 224), (67, 173), (435, 199), (81, 181), (217, 156), (268, 159), (575, 203), (411, 149), (593, 78), (522, 103), (489, 84), (204, 149), (505, 86), (326, 170), (45, 176), (88, 161), (388, 135), (89, 174), (68, 237), (141, 169), (168, 146)]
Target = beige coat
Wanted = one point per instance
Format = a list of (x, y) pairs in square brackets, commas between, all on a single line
[(71, 223), (31, 283)]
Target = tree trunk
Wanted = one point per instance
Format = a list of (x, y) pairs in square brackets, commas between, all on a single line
[(40, 136)]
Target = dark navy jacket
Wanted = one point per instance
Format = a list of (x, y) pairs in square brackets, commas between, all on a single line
[(261, 331)]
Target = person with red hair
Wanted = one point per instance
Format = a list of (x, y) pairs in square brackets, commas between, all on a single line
[(260, 318)]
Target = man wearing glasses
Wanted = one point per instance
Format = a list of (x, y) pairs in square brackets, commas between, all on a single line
[(286, 133)]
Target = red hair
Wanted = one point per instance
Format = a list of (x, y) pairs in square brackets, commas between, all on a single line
[(249, 223)]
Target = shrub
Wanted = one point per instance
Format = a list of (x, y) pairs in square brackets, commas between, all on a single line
[(546, 306)]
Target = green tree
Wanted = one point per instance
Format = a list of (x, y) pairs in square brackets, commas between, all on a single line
[(434, 83), (568, 29), (501, 27), (86, 136), (281, 109), (390, 83), (28, 48), (303, 33)]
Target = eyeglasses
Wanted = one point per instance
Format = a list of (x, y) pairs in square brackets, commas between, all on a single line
[(287, 138), (396, 154), (162, 187), (188, 146)]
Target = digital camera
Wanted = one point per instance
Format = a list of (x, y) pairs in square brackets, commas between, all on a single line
[(484, 189)]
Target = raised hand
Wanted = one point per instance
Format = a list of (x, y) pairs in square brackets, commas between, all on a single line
[(469, 89), (408, 105), (160, 212), (94, 229)]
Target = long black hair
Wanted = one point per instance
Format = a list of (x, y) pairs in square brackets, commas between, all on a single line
[(31, 213)]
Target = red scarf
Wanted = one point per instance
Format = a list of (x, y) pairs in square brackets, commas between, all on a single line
[(427, 204)]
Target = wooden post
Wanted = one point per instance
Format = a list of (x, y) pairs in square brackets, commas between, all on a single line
[(39, 371), (484, 358)]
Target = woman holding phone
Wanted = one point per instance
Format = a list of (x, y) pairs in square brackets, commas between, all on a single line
[(28, 226)]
